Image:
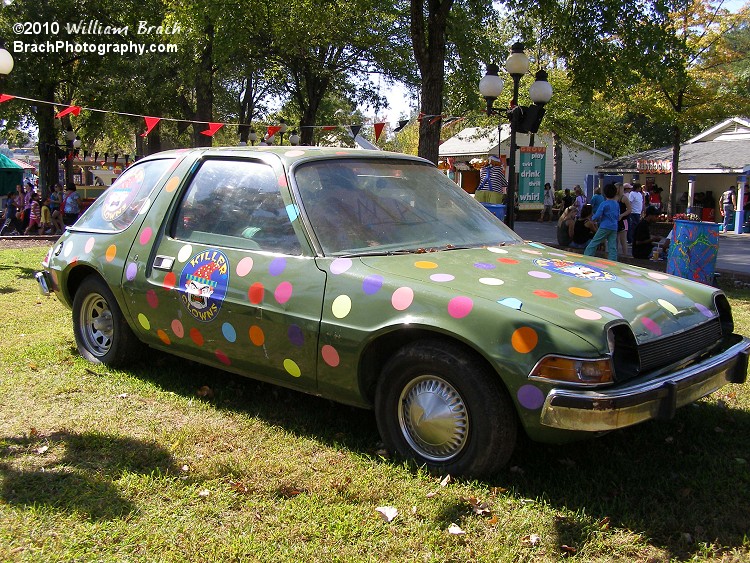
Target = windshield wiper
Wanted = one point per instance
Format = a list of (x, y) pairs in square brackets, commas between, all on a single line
[(380, 253)]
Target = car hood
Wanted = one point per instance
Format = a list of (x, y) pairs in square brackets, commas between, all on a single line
[(572, 291)]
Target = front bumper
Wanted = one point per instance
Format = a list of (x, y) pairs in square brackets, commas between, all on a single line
[(600, 411), (44, 279)]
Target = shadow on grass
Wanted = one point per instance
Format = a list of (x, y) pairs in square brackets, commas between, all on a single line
[(678, 483), (76, 472)]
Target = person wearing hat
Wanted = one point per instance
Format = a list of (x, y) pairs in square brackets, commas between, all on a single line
[(643, 240)]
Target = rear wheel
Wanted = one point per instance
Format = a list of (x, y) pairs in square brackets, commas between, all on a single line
[(442, 407), (102, 334)]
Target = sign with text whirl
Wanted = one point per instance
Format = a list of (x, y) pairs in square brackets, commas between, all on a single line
[(531, 177)]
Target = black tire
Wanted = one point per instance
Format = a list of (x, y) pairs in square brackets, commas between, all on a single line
[(471, 426), (102, 334)]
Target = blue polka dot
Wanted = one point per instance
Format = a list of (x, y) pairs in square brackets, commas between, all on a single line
[(229, 333), (293, 211), (621, 293), (277, 266), (372, 284)]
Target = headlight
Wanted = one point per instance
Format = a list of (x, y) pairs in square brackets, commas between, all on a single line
[(574, 370)]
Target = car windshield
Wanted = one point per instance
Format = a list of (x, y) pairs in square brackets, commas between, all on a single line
[(382, 206)]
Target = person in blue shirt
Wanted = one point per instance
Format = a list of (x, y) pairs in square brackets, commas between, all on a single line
[(606, 215), (597, 199)]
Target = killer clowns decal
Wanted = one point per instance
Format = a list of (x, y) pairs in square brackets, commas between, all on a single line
[(203, 284)]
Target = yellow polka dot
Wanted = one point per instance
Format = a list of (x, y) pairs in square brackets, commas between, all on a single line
[(579, 291), (341, 306), (172, 184), (144, 322), (668, 306), (292, 368), (110, 254), (524, 340), (425, 265)]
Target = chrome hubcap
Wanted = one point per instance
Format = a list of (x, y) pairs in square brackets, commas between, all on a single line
[(433, 418), (97, 325)]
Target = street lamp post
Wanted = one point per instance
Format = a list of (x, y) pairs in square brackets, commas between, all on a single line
[(282, 129), (522, 119)]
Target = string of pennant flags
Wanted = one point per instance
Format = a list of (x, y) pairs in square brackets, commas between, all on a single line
[(213, 127)]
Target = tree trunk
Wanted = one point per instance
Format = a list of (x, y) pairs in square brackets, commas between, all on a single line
[(48, 158), (204, 94), (557, 162), (676, 139)]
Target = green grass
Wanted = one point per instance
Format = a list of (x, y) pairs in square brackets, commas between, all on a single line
[(135, 465)]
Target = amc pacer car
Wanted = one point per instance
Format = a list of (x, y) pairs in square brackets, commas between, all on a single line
[(372, 279)]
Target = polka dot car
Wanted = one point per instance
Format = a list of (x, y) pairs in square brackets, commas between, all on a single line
[(371, 279)]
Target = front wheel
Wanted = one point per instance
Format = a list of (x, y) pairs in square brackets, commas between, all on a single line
[(443, 408), (102, 334)]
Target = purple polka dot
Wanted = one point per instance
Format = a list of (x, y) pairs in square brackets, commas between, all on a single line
[(459, 307), (131, 271), (637, 281), (705, 311), (372, 284), (296, 336), (484, 266), (611, 311), (539, 275), (277, 266), (442, 277), (340, 265), (530, 397)]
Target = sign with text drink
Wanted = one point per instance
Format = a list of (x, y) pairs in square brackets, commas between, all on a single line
[(531, 177)]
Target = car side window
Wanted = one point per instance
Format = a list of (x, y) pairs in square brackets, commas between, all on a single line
[(236, 204)]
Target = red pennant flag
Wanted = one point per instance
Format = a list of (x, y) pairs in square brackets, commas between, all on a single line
[(151, 122), (5, 98), (75, 110), (330, 127), (435, 119), (272, 130), (212, 129), (420, 116), (378, 130)]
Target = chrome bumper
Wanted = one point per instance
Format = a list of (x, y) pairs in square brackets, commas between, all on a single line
[(44, 280), (599, 411)]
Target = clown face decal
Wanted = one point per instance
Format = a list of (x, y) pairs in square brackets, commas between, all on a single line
[(204, 284), (575, 269)]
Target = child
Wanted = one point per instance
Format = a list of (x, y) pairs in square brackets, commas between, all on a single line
[(607, 216), (34, 215)]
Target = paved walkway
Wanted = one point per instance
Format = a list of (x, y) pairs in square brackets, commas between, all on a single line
[(734, 250)]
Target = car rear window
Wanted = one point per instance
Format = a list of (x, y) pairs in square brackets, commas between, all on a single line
[(116, 209)]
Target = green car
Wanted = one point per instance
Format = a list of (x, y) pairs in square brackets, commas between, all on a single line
[(372, 279)]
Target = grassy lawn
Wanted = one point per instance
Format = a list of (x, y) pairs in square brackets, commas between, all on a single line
[(172, 461)]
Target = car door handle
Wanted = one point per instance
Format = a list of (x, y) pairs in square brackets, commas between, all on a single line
[(163, 262)]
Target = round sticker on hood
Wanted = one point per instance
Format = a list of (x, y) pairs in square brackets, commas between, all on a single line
[(575, 269), (203, 283)]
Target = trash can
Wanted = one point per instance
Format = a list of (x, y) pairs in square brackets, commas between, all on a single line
[(692, 254), (497, 209)]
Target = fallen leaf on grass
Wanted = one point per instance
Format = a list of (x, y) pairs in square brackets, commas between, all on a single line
[(454, 530), (33, 433), (387, 513), (33, 367), (431, 494), (204, 493), (493, 520), (531, 540), (239, 487), (604, 523), (185, 468), (478, 507), (41, 449), (123, 396), (205, 392), (568, 550), (446, 480)]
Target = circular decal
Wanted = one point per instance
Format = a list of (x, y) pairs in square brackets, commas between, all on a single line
[(120, 196), (575, 269), (204, 282)]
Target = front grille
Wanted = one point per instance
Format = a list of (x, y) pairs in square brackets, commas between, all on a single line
[(675, 347)]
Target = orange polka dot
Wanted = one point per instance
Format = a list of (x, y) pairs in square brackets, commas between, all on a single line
[(524, 340), (172, 184), (111, 252), (257, 336), (507, 260), (546, 294), (425, 265), (164, 337), (673, 289), (196, 336), (580, 292)]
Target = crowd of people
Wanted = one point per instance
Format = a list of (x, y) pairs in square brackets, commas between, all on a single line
[(618, 218), (26, 213)]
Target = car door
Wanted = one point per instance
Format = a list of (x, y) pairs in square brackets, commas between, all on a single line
[(232, 276)]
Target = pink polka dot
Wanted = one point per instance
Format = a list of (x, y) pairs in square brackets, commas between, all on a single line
[(283, 292), (651, 326), (177, 328), (588, 314), (153, 300), (459, 307), (340, 265), (88, 247), (402, 298), (223, 358), (145, 235), (442, 277), (244, 266), (330, 355)]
